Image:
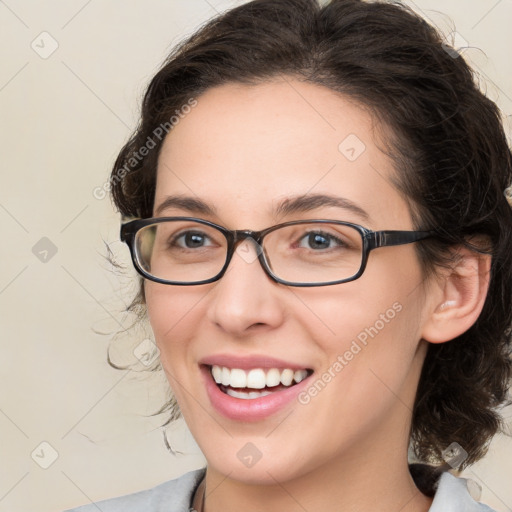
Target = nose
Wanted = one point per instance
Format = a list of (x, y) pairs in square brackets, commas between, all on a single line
[(245, 299)]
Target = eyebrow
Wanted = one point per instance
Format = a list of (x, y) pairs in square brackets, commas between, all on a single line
[(309, 202), (299, 204), (190, 204)]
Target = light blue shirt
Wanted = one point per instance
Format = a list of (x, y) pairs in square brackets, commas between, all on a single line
[(452, 495)]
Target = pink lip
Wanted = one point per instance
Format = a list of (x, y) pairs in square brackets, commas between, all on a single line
[(254, 409), (249, 362)]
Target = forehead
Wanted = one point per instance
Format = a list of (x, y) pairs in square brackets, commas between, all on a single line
[(245, 148)]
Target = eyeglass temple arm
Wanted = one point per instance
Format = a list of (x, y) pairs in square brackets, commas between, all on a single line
[(388, 238)]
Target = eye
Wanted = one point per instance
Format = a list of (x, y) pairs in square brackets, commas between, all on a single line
[(318, 240), (191, 240)]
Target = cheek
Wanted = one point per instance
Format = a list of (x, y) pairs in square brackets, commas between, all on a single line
[(175, 317), (174, 314), (368, 371), (368, 332), (362, 310)]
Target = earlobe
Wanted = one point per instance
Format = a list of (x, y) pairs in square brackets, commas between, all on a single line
[(459, 296)]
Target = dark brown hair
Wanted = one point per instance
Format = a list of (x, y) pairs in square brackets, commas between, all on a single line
[(446, 140)]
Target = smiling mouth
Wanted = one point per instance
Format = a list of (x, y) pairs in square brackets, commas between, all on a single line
[(257, 382)]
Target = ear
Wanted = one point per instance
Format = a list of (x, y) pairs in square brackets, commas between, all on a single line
[(458, 296)]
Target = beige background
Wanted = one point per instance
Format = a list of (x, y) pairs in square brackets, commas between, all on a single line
[(63, 119)]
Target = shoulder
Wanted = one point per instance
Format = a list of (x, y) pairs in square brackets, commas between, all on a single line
[(452, 495), (171, 496)]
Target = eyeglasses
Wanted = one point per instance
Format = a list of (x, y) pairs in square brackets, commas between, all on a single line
[(191, 251)]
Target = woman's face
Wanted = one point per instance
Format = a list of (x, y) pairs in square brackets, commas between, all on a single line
[(242, 152)]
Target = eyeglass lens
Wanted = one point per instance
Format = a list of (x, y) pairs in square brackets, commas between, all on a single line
[(188, 251)]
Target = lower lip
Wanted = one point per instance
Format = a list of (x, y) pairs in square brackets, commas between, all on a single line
[(249, 409)]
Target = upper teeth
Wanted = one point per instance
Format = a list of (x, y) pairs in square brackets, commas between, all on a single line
[(256, 378)]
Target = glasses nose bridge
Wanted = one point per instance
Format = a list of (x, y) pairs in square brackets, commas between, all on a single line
[(239, 235)]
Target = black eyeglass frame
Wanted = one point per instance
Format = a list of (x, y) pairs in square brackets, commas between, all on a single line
[(371, 240)]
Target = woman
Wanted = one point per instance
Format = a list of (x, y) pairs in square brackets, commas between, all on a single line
[(316, 200)]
